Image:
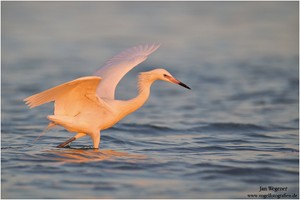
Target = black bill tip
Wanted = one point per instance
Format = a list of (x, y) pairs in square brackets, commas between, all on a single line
[(184, 85)]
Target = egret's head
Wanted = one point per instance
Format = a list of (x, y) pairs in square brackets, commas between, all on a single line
[(164, 75)]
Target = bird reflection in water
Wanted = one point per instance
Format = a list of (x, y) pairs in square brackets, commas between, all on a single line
[(89, 155)]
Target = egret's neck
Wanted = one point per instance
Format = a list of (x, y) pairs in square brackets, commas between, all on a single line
[(145, 81)]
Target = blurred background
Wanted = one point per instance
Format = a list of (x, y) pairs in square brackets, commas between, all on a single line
[(240, 59), (58, 41)]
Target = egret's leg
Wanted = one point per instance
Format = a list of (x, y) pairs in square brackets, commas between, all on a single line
[(78, 135), (96, 140), (62, 145)]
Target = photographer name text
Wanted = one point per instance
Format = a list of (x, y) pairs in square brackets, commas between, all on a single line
[(272, 188)]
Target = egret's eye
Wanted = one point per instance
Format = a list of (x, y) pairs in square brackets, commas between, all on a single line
[(165, 75)]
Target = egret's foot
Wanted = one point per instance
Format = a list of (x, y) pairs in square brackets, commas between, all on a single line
[(62, 145)]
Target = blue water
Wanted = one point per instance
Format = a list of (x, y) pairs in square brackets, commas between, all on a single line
[(237, 130)]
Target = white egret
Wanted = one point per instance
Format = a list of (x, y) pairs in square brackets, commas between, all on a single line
[(87, 105)]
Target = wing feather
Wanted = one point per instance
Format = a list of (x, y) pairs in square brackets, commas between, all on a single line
[(68, 97), (115, 68)]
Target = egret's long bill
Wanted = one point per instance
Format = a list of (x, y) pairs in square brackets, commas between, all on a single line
[(174, 80)]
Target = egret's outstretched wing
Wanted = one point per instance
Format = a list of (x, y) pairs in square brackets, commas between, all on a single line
[(115, 68), (69, 97)]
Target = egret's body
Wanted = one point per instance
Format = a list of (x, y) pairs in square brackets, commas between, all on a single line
[(87, 105)]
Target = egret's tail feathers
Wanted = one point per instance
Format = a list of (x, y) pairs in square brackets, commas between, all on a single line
[(60, 119), (65, 121), (50, 126)]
